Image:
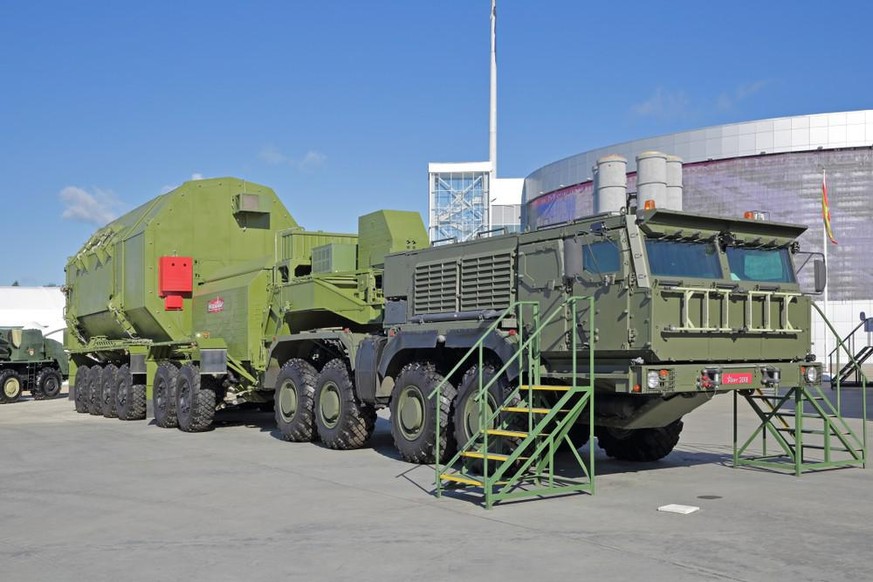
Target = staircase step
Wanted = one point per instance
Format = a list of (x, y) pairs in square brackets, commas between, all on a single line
[(833, 449), (544, 388), (812, 416), (525, 409), (455, 478), (506, 433), (488, 456), (790, 430)]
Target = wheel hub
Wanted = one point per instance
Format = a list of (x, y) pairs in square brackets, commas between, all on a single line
[(329, 405), (411, 411), (11, 387), (288, 400)]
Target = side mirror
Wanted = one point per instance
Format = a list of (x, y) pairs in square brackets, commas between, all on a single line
[(863, 316), (820, 272)]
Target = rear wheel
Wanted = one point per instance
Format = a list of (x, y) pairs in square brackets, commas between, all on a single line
[(81, 389), (10, 386), (130, 398), (414, 416), (48, 384), (342, 421), (95, 391), (164, 395), (107, 391), (295, 392), (195, 399), (640, 445)]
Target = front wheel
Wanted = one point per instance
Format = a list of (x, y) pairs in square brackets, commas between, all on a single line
[(413, 413), (342, 421), (640, 445), (195, 399), (95, 391)]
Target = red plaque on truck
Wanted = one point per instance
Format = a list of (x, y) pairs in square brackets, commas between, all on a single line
[(737, 378)]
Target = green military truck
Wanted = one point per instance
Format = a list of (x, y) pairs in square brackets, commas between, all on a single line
[(30, 361)]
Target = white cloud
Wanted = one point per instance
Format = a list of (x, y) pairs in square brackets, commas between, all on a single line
[(99, 207), (311, 160), (196, 176), (729, 99), (664, 104)]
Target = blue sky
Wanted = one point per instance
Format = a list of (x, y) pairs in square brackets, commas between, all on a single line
[(339, 106)]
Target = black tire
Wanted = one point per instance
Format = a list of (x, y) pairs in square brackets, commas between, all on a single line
[(48, 384), (466, 409), (95, 391), (82, 389), (640, 445), (164, 395), (579, 434), (130, 398), (11, 386), (413, 414), (295, 395), (195, 399), (107, 391), (341, 420)]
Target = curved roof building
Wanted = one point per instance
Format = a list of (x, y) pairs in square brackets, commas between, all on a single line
[(773, 165)]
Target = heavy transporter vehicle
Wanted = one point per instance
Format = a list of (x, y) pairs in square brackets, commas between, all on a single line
[(30, 361), (212, 295)]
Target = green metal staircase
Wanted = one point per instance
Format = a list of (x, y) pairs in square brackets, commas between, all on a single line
[(800, 429), (513, 453)]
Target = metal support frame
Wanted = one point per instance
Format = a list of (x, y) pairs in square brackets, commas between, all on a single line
[(791, 417), (528, 469)]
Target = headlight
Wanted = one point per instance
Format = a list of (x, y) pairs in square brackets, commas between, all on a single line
[(810, 374), (652, 379)]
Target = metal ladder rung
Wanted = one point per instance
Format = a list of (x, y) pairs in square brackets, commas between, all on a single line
[(812, 416), (488, 456), (833, 449), (506, 433), (545, 388), (460, 479), (813, 431), (533, 410)]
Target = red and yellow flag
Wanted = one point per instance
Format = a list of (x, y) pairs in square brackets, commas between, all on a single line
[(826, 207)]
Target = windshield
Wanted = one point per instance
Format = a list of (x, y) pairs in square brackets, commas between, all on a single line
[(683, 259), (769, 265)]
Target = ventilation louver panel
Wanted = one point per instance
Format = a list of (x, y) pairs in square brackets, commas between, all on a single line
[(486, 282), (436, 287)]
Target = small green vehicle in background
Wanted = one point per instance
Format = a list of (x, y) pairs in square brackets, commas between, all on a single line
[(30, 361)]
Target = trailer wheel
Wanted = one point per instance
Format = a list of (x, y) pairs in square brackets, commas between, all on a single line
[(130, 398), (47, 385), (164, 395), (10, 386), (81, 389), (413, 414), (95, 391), (295, 391), (342, 421), (642, 444), (195, 399), (107, 391)]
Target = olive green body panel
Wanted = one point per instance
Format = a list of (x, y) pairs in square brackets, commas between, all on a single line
[(28, 347), (112, 282)]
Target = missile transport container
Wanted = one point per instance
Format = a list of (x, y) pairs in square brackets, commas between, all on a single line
[(30, 361), (171, 308)]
